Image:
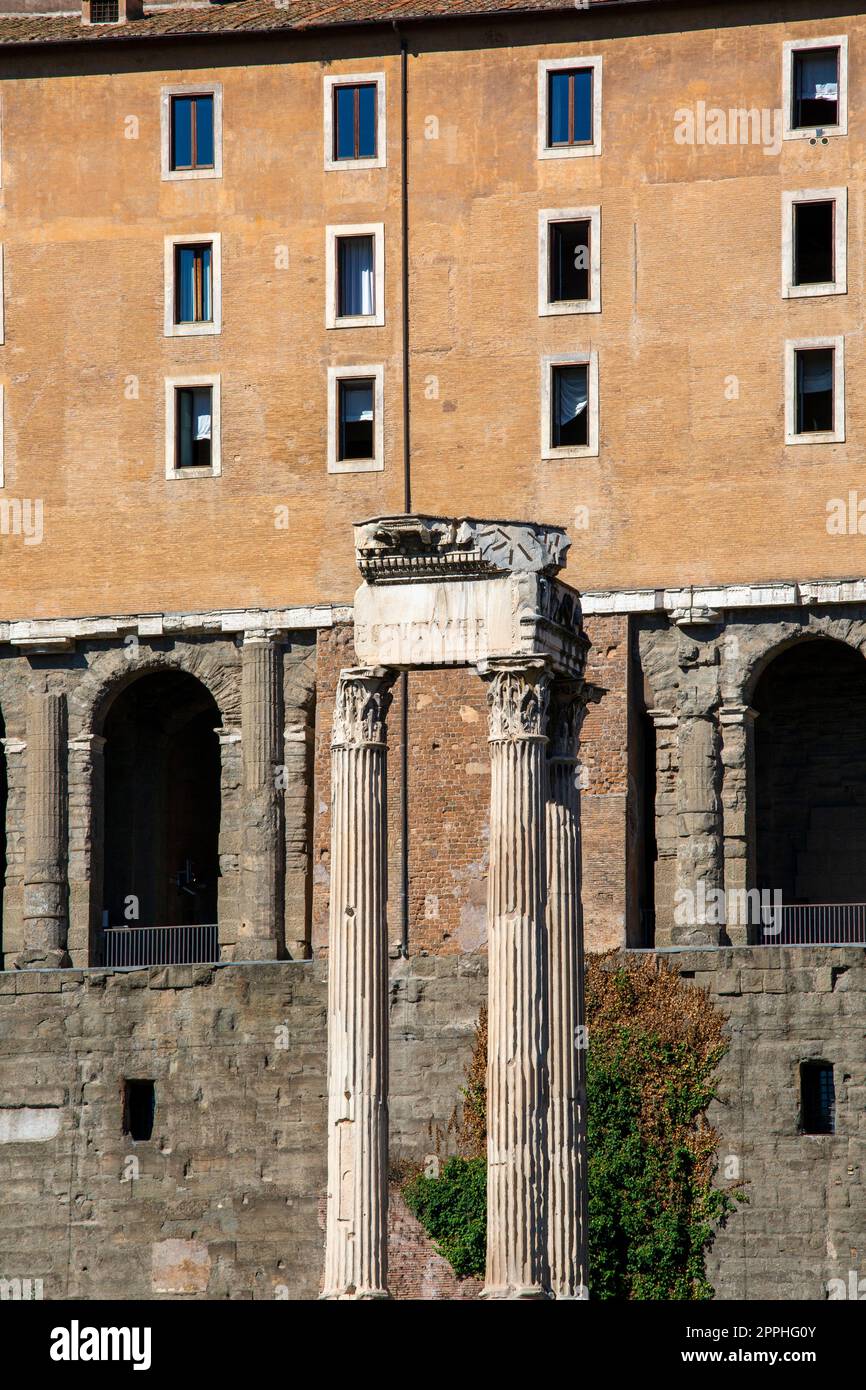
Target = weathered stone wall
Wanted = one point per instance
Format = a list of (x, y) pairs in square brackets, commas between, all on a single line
[(228, 1197), (227, 1194), (805, 1219)]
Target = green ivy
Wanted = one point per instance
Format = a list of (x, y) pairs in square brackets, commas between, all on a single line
[(654, 1046), (453, 1210)]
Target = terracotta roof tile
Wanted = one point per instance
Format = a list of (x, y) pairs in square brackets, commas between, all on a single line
[(239, 16)]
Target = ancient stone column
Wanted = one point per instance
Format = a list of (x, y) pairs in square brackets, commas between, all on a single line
[(517, 1012), (260, 932), (356, 1249), (743, 917), (566, 1137), (699, 900), (46, 889)]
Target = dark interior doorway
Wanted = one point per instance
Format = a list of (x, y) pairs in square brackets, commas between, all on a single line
[(162, 803), (810, 774)]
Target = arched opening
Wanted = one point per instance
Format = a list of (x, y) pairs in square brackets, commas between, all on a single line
[(162, 820), (810, 781)]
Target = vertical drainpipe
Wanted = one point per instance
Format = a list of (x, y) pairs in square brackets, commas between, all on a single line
[(407, 478)]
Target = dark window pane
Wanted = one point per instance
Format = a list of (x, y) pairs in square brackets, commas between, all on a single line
[(569, 117), (569, 261), (817, 1098), (814, 390), (181, 132), (139, 1106), (185, 284), (344, 125), (204, 132), (816, 87), (193, 297), (355, 295), (367, 122), (356, 419), (813, 243), (570, 407), (194, 426)]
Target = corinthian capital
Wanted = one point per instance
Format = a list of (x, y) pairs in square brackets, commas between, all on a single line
[(518, 691), (569, 701), (361, 708)]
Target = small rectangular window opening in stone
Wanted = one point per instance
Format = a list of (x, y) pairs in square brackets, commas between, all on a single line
[(139, 1108)]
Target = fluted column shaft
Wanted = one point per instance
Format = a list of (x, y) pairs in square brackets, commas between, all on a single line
[(566, 1202), (46, 887), (260, 933), (356, 1252), (517, 1013)]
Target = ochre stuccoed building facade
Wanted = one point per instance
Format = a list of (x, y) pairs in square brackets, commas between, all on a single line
[(171, 634)]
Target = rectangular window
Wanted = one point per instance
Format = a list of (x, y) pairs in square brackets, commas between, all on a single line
[(570, 422), (814, 242), (194, 427), (356, 283), (104, 11), (815, 391), (355, 419), (569, 265), (570, 406), (193, 285), (569, 107), (815, 88), (355, 276), (191, 122), (814, 238), (139, 1109), (569, 261), (193, 282), (817, 1098), (192, 132), (355, 122), (357, 411)]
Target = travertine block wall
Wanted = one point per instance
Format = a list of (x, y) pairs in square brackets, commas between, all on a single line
[(227, 1201)]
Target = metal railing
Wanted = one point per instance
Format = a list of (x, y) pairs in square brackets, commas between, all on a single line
[(814, 924), (140, 946)]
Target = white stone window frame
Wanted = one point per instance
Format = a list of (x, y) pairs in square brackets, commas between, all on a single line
[(591, 148), (2, 435), (576, 359), (356, 79), (546, 218), (333, 234), (837, 434), (172, 385), (839, 196), (187, 89), (789, 48), (213, 325), (2, 294), (376, 464)]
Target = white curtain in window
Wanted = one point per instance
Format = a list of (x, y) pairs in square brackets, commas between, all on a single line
[(572, 394), (816, 372), (202, 415), (820, 77), (356, 268)]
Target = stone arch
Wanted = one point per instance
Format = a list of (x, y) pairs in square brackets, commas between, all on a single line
[(766, 641), (114, 670), (161, 803), (809, 777)]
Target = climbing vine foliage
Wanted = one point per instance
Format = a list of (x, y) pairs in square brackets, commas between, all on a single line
[(655, 1043)]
